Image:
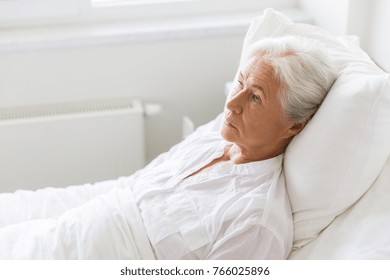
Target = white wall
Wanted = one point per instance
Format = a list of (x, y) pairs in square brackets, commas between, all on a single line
[(369, 19), (378, 43), (359, 20), (186, 76), (329, 14)]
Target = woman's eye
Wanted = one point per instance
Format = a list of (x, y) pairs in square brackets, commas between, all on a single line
[(256, 98)]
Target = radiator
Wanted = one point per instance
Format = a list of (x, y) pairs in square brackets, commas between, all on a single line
[(67, 144)]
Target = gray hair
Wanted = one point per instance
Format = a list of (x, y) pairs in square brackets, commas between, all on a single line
[(303, 69)]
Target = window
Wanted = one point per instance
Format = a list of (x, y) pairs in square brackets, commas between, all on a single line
[(27, 12)]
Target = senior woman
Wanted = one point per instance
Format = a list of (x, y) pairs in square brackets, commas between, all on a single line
[(221, 195)]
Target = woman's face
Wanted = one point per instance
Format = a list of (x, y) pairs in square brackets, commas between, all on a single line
[(255, 119)]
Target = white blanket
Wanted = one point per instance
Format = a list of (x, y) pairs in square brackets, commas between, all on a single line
[(98, 221)]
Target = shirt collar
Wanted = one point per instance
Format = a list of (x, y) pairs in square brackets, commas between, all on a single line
[(261, 166)]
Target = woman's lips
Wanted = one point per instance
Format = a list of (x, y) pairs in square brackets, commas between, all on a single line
[(228, 123)]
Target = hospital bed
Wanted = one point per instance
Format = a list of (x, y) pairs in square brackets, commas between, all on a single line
[(337, 173)]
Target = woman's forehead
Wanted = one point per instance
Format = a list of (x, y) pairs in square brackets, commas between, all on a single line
[(259, 68), (260, 73)]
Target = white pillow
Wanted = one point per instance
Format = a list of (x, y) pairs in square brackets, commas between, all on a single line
[(336, 158)]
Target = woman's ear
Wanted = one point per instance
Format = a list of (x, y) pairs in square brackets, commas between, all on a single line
[(295, 128)]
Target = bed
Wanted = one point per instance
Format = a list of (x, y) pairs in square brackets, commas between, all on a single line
[(337, 173)]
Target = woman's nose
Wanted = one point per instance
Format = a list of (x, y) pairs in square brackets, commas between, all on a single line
[(234, 104)]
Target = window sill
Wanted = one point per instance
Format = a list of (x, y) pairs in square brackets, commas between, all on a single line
[(79, 35)]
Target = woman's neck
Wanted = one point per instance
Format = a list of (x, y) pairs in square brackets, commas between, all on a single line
[(240, 155)]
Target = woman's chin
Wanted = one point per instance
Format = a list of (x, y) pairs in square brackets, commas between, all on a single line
[(228, 134)]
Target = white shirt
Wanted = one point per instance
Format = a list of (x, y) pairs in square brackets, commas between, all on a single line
[(227, 211)]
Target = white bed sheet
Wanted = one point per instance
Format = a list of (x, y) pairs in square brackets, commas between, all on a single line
[(99, 221), (362, 232)]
